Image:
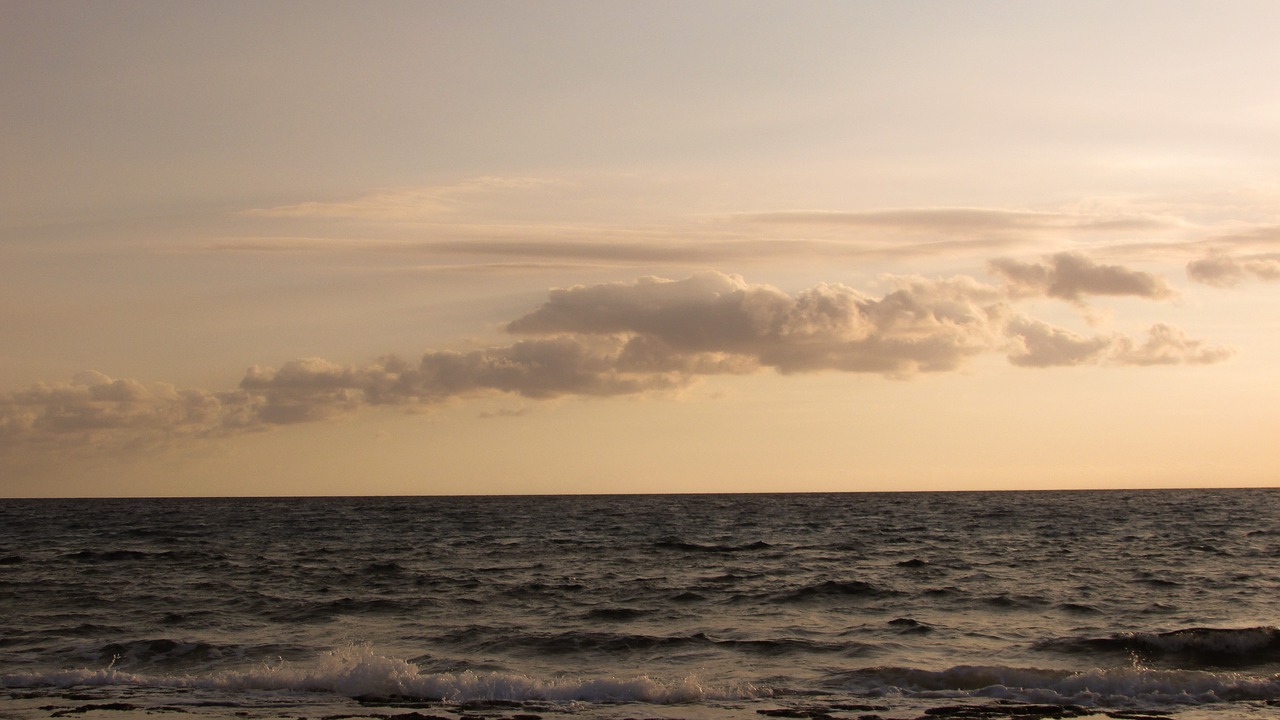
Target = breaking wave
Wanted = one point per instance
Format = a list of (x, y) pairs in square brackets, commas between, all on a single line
[(360, 673), (1196, 647)]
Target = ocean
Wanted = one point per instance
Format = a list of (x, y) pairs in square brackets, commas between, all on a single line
[(1130, 604)]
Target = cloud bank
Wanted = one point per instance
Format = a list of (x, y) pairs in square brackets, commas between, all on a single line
[(628, 338)]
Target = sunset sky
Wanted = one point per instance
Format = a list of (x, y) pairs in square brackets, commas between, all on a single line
[(554, 247)]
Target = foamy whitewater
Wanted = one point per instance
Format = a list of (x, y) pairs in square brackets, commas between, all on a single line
[(991, 605)]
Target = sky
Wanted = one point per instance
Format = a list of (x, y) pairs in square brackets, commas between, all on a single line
[(331, 248)]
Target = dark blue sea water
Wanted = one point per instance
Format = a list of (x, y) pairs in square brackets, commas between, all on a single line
[(694, 606)]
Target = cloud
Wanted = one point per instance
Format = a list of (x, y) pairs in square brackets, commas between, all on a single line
[(531, 245), (1035, 343), (504, 413), (313, 389), (923, 326), (623, 338), (962, 220), (437, 221), (96, 410), (1224, 270), (412, 204), (1071, 276), (1167, 345)]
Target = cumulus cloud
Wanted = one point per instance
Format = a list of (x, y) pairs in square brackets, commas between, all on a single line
[(1224, 270), (541, 368), (1168, 345), (94, 409), (921, 326), (1071, 276), (100, 411), (1035, 343), (625, 338)]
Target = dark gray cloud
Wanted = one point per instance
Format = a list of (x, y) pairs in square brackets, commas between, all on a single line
[(1225, 270), (1072, 276), (626, 338)]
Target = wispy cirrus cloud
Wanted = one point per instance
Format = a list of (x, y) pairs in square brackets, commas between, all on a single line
[(962, 219), (515, 225), (406, 204)]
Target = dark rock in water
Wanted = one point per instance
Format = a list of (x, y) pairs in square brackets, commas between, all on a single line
[(905, 622), (913, 563)]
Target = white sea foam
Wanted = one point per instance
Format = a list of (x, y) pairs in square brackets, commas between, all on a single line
[(361, 672), (358, 671)]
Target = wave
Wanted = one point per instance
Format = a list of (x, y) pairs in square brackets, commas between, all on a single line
[(91, 557), (833, 589), (358, 672), (671, 543), (327, 610), (1118, 687), (614, 614), (605, 643), (1198, 647)]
